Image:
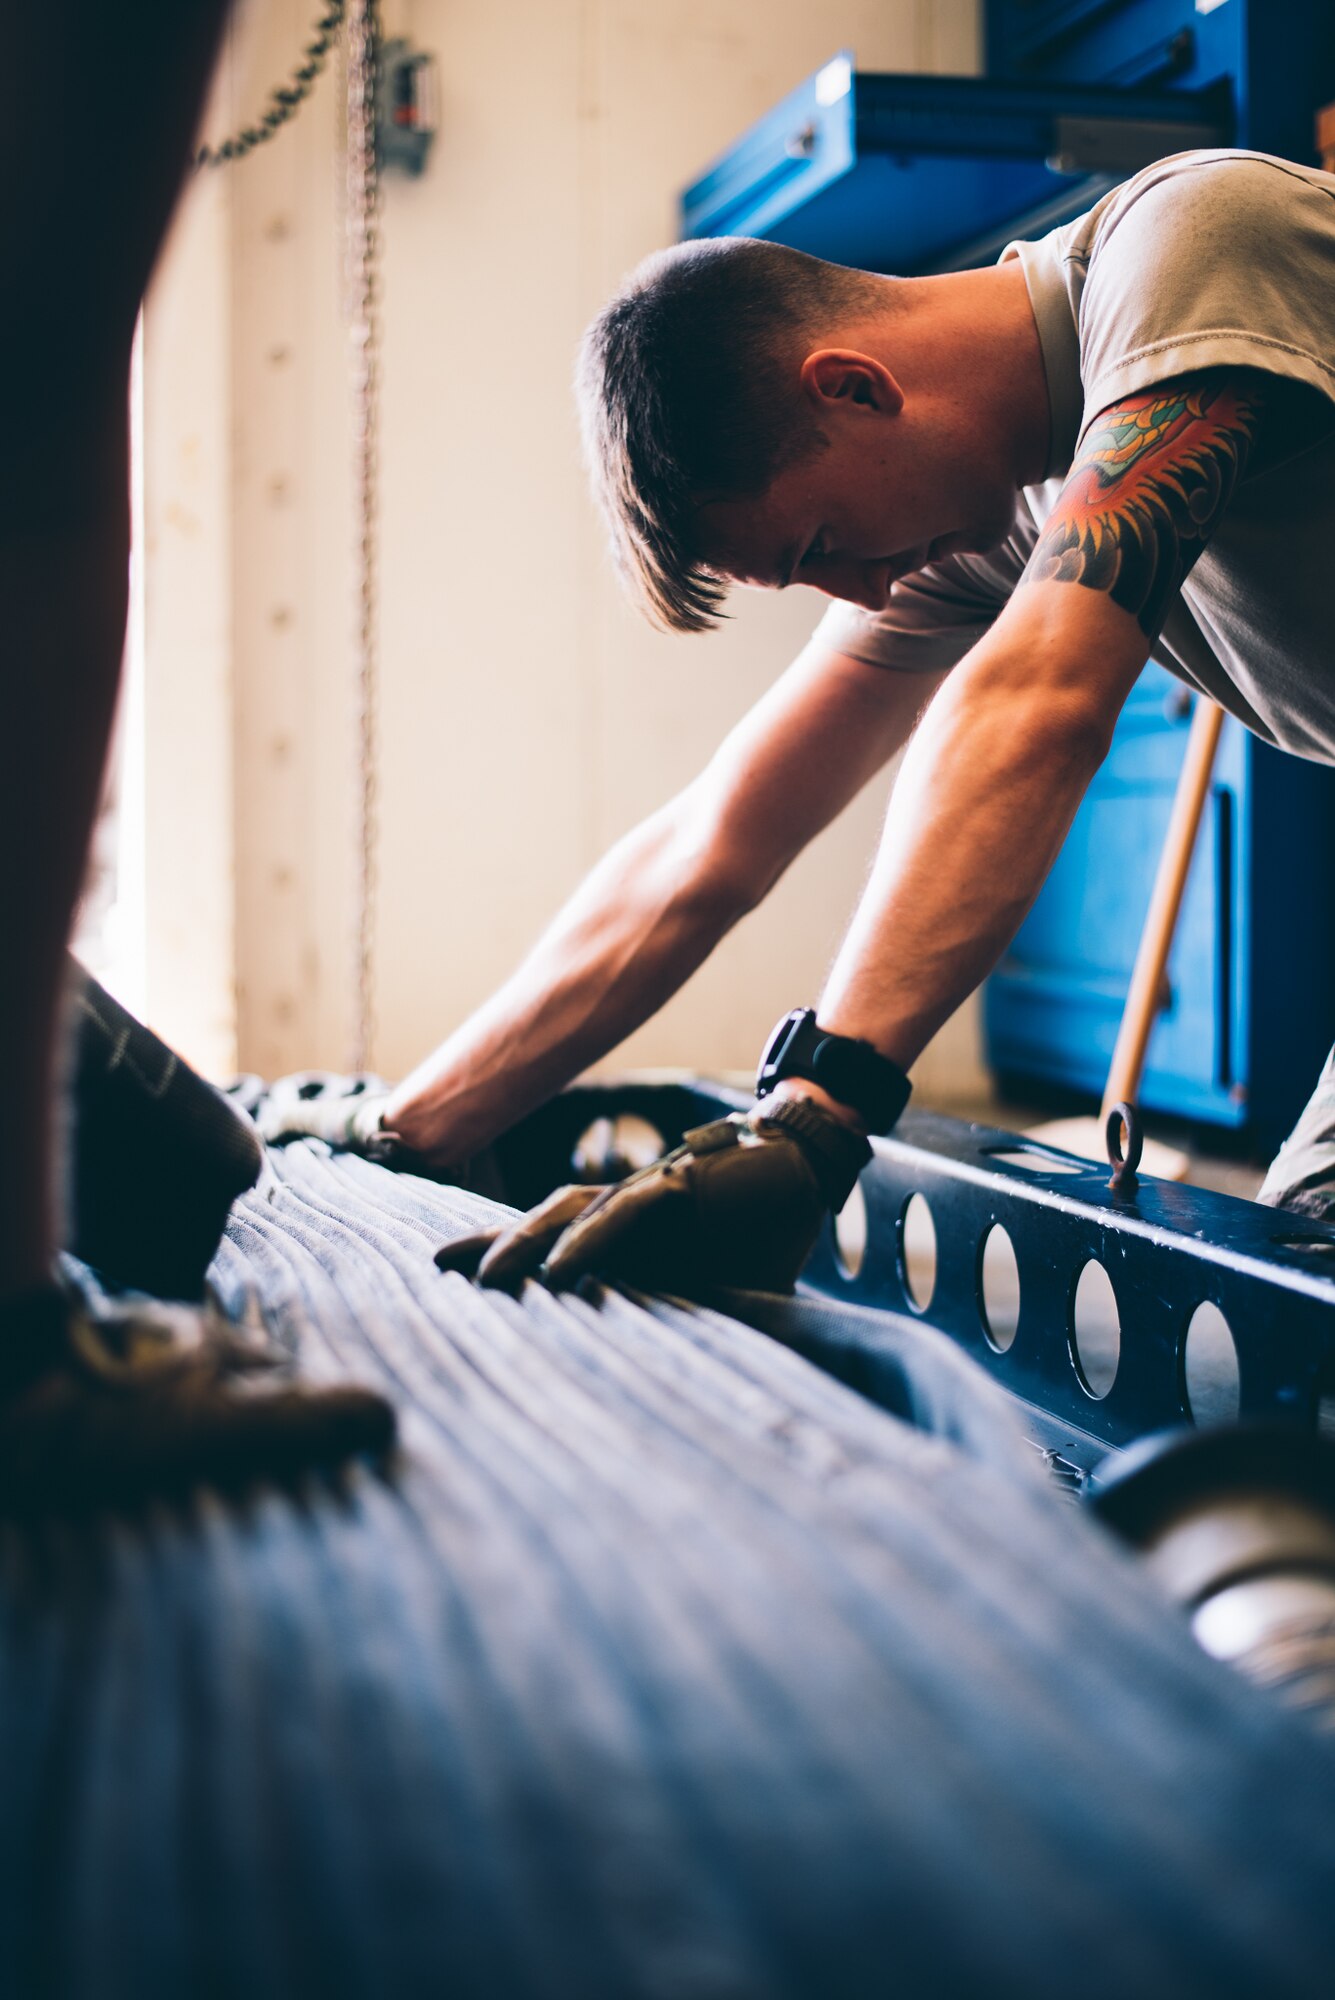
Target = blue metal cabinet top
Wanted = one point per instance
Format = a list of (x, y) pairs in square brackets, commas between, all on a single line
[(1278, 55), (919, 173), (916, 173)]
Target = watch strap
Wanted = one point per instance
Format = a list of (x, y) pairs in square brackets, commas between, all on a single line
[(852, 1071)]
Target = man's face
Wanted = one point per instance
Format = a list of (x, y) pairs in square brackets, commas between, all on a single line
[(895, 486)]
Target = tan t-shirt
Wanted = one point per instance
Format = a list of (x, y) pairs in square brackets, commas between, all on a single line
[(1205, 260)]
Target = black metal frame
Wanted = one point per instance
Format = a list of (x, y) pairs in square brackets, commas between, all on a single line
[(1167, 1249)]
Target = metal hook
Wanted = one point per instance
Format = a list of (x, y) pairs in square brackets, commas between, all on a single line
[(1123, 1164)]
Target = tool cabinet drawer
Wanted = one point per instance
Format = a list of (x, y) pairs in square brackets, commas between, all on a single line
[(1052, 1008)]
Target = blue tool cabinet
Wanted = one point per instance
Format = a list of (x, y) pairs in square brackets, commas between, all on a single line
[(915, 174), (1250, 994)]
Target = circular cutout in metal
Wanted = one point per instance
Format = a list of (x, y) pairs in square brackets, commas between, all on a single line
[(1307, 1246), (917, 1250), (1323, 1410), (850, 1234), (999, 1288), (1096, 1331), (611, 1148), (1210, 1376)]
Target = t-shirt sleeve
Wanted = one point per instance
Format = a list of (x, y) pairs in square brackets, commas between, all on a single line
[(929, 624), (1211, 260)]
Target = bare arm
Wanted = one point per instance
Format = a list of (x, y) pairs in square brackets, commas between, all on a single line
[(656, 905), (993, 778)]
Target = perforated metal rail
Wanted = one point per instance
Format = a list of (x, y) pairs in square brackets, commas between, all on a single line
[(1167, 1252)]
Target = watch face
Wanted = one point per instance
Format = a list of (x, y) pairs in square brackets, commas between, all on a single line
[(776, 1062)]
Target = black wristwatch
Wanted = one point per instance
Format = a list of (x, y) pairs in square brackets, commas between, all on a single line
[(854, 1072)]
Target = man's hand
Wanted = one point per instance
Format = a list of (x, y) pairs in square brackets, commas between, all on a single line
[(344, 1111), (739, 1203)]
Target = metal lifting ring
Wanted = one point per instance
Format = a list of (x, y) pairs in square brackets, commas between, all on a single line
[(1123, 1117)]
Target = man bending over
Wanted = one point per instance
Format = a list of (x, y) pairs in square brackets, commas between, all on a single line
[(1016, 483)]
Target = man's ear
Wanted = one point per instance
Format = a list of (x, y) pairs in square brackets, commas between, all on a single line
[(844, 375)]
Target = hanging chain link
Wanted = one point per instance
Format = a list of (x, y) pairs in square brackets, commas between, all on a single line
[(363, 239), (285, 99), (362, 250)]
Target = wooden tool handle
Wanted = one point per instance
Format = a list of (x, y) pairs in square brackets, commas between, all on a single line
[(1143, 995)]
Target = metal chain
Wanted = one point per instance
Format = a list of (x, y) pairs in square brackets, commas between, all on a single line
[(363, 239), (285, 98), (363, 247)]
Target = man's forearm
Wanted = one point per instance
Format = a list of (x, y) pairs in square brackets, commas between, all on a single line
[(655, 907), (637, 927), (987, 793)]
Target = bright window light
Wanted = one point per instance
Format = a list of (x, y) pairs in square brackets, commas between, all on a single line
[(110, 932)]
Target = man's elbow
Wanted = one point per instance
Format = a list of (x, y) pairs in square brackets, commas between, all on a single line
[(720, 875), (721, 889), (1069, 735)]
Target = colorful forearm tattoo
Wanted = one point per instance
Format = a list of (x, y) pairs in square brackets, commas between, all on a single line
[(1153, 475)]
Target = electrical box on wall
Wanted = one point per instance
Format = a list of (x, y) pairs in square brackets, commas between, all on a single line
[(407, 109)]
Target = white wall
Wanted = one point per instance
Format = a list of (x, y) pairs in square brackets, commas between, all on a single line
[(527, 717), (186, 950)]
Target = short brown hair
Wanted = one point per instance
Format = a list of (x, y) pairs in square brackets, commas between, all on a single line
[(687, 387)]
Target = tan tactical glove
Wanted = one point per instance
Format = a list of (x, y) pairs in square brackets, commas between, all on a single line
[(344, 1111), (739, 1203)]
